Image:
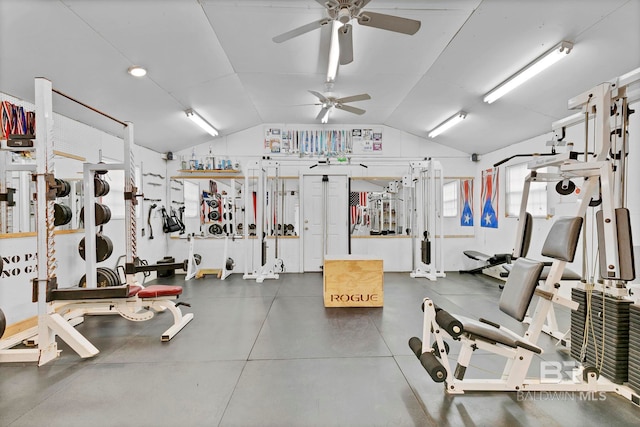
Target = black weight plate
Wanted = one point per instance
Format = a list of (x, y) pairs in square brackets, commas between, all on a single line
[(214, 215), (102, 215), (61, 214), (115, 276), (104, 248), (213, 203), (102, 280), (565, 187), (227, 216), (198, 258), (215, 229), (229, 264), (3, 323), (239, 227)]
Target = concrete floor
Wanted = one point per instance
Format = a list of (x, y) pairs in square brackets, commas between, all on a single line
[(270, 354)]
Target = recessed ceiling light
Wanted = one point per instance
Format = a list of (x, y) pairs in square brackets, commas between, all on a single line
[(137, 71)]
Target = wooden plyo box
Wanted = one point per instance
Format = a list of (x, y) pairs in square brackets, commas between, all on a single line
[(353, 281)]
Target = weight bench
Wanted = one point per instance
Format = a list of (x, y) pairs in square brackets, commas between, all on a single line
[(483, 334), (501, 259), (133, 302)]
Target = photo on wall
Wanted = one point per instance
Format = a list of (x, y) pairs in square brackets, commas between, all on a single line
[(489, 198)]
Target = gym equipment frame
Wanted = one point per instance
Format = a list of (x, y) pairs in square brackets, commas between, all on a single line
[(604, 179), (46, 293), (266, 211), (426, 179)]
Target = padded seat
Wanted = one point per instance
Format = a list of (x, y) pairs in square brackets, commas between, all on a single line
[(155, 291), (566, 273), (76, 293), (494, 334)]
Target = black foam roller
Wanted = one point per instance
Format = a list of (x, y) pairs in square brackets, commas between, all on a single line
[(449, 323), (415, 344), (434, 368)]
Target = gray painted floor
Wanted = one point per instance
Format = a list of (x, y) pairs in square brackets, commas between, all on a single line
[(270, 354)]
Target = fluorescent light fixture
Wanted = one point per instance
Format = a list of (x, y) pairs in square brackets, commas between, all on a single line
[(334, 52), (137, 71), (201, 122), (544, 61), (450, 122)]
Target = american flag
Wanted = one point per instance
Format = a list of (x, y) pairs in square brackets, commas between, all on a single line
[(356, 199)]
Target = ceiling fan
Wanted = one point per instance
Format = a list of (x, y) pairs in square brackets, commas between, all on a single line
[(346, 10), (329, 102)]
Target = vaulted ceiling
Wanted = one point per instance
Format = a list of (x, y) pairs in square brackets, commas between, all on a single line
[(218, 57)]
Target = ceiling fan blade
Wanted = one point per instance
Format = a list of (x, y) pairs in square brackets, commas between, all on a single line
[(349, 108), (329, 4), (354, 98), (389, 22), (345, 40), (301, 30), (320, 96), (322, 112)]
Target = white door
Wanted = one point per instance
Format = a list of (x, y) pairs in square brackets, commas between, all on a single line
[(325, 218)]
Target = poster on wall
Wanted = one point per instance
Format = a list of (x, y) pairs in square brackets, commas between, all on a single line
[(322, 142), (272, 140), (489, 196), (466, 207)]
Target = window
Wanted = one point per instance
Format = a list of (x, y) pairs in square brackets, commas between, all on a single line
[(537, 202), (450, 199)]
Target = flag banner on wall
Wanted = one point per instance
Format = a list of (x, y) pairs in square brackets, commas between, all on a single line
[(466, 196), (356, 201), (489, 217)]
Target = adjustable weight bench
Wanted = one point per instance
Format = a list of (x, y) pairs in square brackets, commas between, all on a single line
[(133, 302), (501, 259)]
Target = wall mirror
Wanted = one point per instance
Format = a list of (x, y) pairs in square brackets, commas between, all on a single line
[(379, 206), (19, 218)]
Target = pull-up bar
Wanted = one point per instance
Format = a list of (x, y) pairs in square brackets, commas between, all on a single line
[(88, 106)]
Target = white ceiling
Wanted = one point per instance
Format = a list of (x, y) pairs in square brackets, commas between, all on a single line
[(217, 57)]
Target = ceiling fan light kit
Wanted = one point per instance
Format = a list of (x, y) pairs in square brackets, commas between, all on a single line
[(544, 61)]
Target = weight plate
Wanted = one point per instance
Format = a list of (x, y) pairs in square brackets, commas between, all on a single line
[(214, 215), (64, 188), (565, 187), (104, 248), (227, 215), (185, 265), (3, 323), (102, 279), (213, 203), (229, 264), (61, 214), (102, 215), (198, 258), (215, 229)]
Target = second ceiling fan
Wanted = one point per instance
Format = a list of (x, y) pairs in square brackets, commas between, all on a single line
[(329, 102), (346, 10)]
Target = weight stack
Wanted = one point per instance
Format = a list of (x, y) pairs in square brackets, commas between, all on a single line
[(634, 347), (615, 313), (167, 273)]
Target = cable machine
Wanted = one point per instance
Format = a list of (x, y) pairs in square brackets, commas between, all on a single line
[(266, 209), (427, 227)]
